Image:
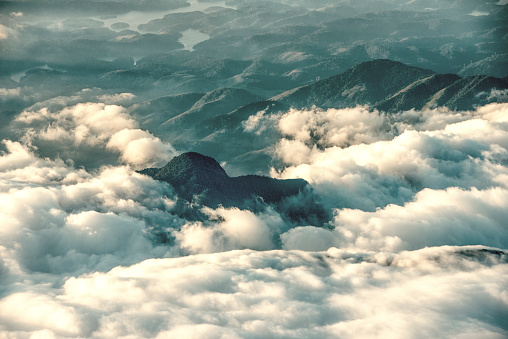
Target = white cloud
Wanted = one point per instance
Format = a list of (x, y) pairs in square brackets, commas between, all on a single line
[(5, 32), (97, 125), (441, 292), (436, 217), (309, 238), (334, 127), (120, 98), (293, 152), (232, 229), (57, 219), (454, 149), (88, 122), (141, 148), (39, 312), (19, 166), (10, 92)]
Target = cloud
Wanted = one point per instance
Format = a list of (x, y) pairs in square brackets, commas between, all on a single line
[(436, 217), (5, 32), (442, 149), (96, 125), (141, 149), (20, 166), (64, 320), (439, 182), (334, 127), (308, 238), (44, 232), (57, 219), (260, 122), (10, 92), (114, 253), (231, 229), (91, 248), (444, 291), (119, 98), (88, 122)]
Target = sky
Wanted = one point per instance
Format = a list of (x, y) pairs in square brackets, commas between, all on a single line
[(404, 231)]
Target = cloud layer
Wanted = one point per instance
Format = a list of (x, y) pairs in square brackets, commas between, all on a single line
[(112, 253), (439, 292)]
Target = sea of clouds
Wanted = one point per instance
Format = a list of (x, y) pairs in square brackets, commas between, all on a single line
[(413, 248)]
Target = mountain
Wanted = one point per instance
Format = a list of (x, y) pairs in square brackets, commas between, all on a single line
[(210, 123), (447, 90), (209, 105), (153, 113), (495, 65), (199, 178), (366, 83), (419, 93), (392, 86)]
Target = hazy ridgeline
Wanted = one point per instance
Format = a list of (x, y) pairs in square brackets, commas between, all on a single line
[(390, 119)]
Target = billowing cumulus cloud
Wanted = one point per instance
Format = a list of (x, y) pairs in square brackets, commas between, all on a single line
[(334, 127), (96, 125), (140, 148), (58, 219), (436, 149), (436, 217), (89, 122), (19, 166)]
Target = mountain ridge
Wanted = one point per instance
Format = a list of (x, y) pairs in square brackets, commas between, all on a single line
[(391, 86), (365, 83)]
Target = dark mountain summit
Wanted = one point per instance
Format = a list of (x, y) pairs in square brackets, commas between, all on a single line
[(197, 177)]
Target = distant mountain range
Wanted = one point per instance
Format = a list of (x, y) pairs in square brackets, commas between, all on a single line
[(392, 86), (383, 84), (210, 122)]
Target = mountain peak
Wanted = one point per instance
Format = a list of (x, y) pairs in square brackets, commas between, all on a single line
[(193, 174), (190, 166), (188, 159), (367, 83)]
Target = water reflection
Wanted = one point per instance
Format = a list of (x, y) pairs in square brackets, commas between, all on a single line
[(191, 38)]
